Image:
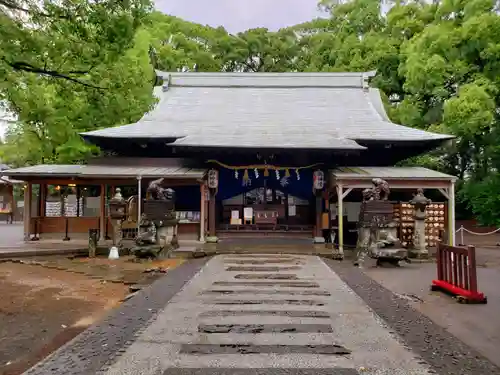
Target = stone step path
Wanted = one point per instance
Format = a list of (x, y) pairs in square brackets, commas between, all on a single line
[(266, 314)]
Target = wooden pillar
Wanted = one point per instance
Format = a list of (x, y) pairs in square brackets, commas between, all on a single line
[(286, 207), (12, 203), (111, 195), (318, 232), (102, 213), (451, 213), (207, 201), (340, 217), (202, 212), (211, 216), (43, 200), (139, 201), (78, 197), (27, 210)]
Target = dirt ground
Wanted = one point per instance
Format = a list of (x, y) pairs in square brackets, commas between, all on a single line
[(476, 325), (46, 304)]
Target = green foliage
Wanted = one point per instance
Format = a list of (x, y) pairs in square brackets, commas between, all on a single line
[(51, 112), (67, 39)]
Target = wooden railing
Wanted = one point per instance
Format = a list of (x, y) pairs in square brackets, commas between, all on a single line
[(457, 273)]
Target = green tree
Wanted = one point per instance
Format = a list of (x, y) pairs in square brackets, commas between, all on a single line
[(66, 39), (51, 112)]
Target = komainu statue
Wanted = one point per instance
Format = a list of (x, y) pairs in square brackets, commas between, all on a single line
[(377, 231), (157, 234)]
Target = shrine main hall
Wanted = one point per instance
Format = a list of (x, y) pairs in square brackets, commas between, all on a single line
[(248, 155)]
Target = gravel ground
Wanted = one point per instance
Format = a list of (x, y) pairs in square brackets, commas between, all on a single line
[(98, 345), (446, 354), (41, 309)]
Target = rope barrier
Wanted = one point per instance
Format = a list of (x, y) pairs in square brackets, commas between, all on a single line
[(462, 230), (479, 234)]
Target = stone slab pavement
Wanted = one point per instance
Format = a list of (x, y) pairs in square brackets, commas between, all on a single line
[(168, 342), (292, 315)]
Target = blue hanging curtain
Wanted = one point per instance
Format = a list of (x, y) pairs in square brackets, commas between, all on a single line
[(229, 186), (188, 197), (298, 188)]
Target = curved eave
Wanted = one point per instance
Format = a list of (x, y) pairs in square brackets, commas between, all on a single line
[(417, 141)]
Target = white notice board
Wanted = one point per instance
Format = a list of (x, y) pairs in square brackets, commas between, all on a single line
[(248, 212)]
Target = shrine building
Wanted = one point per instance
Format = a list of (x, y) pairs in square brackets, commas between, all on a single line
[(248, 154)]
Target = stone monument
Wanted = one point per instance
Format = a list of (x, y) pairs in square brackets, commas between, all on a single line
[(158, 226), (419, 248), (377, 231)]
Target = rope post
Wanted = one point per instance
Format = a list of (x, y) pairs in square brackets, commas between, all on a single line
[(462, 243)]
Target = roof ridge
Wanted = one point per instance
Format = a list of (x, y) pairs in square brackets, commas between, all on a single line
[(267, 79)]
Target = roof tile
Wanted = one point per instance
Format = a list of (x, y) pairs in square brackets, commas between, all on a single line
[(299, 110)]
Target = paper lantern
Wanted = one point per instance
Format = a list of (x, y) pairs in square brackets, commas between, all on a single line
[(213, 179)]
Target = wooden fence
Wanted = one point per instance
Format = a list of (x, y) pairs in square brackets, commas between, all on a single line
[(457, 273)]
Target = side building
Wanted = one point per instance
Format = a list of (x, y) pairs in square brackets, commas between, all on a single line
[(249, 154)]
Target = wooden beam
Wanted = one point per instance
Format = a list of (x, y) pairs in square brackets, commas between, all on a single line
[(445, 193), (109, 181), (396, 183), (345, 193), (27, 211)]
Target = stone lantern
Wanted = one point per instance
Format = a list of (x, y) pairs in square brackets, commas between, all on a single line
[(117, 213), (420, 203)]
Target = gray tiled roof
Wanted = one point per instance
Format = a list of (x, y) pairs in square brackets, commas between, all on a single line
[(99, 171), (406, 173), (292, 110)]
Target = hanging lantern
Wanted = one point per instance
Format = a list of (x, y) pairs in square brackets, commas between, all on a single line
[(318, 180), (213, 179)]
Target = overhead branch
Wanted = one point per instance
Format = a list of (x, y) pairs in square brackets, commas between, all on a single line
[(25, 67), (12, 5)]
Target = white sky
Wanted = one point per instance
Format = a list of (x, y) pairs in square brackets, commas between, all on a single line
[(241, 15)]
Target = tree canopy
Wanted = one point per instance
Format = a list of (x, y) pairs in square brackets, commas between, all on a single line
[(437, 64)]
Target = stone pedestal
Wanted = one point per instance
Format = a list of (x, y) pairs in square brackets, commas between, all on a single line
[(319, 239), (117, 232), (167, 237), (419, 250), (212, 239), (164, 236)]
